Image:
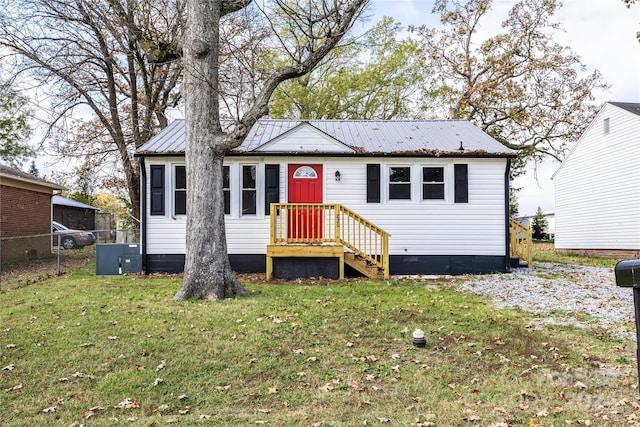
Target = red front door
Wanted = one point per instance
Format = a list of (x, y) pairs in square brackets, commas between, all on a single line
[(305, 186)]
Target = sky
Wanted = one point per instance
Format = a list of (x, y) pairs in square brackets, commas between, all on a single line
[(601, 32)]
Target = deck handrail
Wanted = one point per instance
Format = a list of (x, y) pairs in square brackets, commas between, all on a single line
[(302, 223), (521, 241)]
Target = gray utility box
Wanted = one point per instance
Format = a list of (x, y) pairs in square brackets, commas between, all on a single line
[(113, 259)]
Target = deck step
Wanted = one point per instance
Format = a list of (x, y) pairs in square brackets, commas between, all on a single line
[(362, 266)]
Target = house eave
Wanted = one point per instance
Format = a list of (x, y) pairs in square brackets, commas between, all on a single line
[(412, 154)]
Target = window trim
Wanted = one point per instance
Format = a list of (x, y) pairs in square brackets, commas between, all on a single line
[(445, 180), (389, 184), (226, 190), (254, 189), (175, 189)]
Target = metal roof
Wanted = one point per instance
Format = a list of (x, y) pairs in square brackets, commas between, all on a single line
[(64, 201), (411, 137), (632, 107)]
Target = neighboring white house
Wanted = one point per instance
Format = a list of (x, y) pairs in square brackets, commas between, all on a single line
[(440, 188), (597, 187)]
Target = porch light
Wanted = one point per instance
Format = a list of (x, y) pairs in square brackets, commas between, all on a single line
[(337, 174)]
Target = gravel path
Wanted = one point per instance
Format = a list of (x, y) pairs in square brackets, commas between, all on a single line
[(562, 294)]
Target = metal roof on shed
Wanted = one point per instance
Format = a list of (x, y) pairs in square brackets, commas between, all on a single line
[(426, 137), (64, 201)]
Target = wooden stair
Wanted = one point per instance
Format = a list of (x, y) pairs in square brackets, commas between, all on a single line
[(362, 266)]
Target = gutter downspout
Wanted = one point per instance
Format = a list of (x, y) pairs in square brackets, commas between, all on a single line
[(507, 190), (143, 213)]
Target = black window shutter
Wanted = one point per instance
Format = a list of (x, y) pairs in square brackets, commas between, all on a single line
[(271, 186), (461, 183), (373, 183), (157, 189)]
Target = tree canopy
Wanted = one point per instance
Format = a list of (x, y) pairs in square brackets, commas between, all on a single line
[(518, 85), (98, 57), (14, 126), (377, 76)]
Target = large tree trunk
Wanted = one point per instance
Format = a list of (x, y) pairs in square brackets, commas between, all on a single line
[(207, 272)]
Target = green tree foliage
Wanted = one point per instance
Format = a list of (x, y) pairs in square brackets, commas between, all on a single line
[(539, 225), (518, 85), (14, 127), (380, 77)]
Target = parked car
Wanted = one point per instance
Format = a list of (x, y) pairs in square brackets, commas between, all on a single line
[(71, 239)]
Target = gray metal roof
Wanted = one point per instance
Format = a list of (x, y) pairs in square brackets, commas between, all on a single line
[(64, 201), (411, 137), (632, 107)]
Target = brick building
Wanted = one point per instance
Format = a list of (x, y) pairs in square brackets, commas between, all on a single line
[(25, 211)]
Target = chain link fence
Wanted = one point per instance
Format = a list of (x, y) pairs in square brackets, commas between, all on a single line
[(28, 259)]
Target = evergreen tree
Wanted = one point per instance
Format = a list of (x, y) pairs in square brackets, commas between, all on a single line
[(539, 225)]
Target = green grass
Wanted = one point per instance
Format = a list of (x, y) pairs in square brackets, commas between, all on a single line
[(545, 252), (337, 354)]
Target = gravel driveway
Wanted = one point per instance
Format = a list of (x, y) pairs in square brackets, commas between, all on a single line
[(562, 294)]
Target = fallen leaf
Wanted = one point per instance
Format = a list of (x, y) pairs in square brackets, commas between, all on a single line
[(162, 365), (580, 385), (273, 390), (326, 388), (298, 351), (113, 338), (383, 419), (50, 409), (264, 410), (157, 382), (11, 346), (14, 388), (9, 368), (88, 413), (182, 397)]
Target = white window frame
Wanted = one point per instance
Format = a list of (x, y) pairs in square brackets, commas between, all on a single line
[(258, 195), (174, 189), (447, 181), (387, 182)]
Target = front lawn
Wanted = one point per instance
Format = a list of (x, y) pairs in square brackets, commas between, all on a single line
[(83, 350)]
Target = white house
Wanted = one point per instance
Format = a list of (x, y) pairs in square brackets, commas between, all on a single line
[(437, 191), (597, 187)]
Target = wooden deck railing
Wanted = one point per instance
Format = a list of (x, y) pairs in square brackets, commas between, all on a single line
[(330, 223), (521, 244)]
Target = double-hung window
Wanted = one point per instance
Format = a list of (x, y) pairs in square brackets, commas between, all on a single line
[(180, 191), (400, 183), (433, 183), (226, 189), (249, 189)]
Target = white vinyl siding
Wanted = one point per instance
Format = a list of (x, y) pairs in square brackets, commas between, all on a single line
[(305, 139), (598, 186), (417, 226)]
